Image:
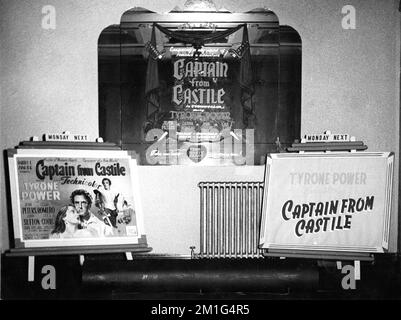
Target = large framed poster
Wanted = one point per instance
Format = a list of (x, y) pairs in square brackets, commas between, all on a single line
[(70, 197), (200, 88), (327, 202)]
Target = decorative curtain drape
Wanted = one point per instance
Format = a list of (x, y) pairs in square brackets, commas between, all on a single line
[(246, 83), (198, 39), (152, 89)]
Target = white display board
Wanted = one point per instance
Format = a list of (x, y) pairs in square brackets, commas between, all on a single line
[(327, 201)]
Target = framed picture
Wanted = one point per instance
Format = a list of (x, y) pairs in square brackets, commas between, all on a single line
[(71, 197), (339, 202)]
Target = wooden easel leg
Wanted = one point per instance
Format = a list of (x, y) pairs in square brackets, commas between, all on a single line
[(31, 268), (357, 269), (128, 255), (81, 259)]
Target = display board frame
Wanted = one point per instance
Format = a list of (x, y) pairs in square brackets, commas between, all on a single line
[(122, 234), (349, 246)]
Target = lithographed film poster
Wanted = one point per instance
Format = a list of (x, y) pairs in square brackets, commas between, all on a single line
[(73, 198), (199, 94), (195, 125)]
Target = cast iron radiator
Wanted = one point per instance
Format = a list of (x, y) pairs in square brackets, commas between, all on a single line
[(230, 219)]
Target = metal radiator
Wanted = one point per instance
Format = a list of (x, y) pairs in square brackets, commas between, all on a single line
[(230, 219)]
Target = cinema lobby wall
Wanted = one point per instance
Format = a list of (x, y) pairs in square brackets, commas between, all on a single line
[(49, 83)]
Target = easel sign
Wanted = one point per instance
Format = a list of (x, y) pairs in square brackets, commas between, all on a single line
[(75, 198), (338, 202)]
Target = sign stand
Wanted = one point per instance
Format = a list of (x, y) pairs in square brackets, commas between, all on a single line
[(81, 260), (307, 146), (31, 268), (31, 253), (81, 250)]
